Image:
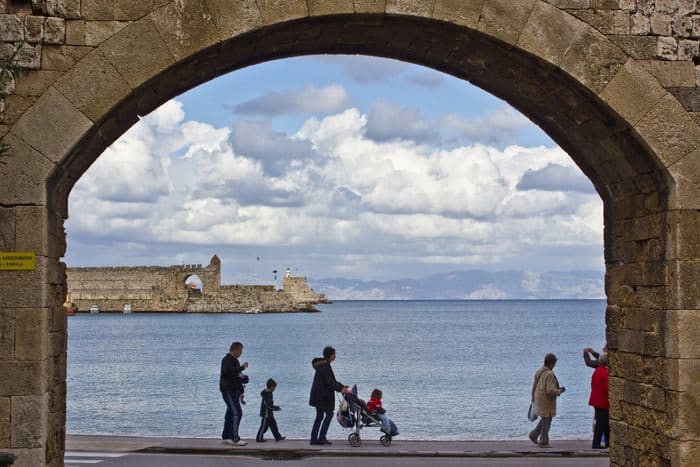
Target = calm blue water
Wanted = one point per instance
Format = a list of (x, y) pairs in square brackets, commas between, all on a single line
[(448, 369)]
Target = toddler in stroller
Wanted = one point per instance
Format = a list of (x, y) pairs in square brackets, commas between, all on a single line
[(354, 413)]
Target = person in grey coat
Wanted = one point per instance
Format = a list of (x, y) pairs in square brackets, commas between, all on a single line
[(545, 390)]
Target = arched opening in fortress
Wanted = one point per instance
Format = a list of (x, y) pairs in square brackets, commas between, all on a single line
[(193, 284), (625, 131)]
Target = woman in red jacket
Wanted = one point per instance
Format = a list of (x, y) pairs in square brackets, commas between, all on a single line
[(601, 404)]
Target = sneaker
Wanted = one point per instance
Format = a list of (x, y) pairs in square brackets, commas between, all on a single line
[(261, 440), (227, 441), (544, 445), (240, 442), (281, 438), (533, 438), (316, 442)]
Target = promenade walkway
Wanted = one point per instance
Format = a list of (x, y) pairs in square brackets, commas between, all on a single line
[(299, 449)]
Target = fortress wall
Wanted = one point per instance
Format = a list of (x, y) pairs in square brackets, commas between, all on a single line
[(299, 290)]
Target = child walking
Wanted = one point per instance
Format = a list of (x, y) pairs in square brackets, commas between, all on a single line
[(267, 407), (374, 406)]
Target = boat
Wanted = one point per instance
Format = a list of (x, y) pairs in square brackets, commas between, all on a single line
[(94, 309), (127, 309)]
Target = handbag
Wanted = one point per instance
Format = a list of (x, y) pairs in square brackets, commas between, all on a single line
[(532, 412)]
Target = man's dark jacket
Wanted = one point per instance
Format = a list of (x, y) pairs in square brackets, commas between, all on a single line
[(267, 405), (230, 371), (324, 384)]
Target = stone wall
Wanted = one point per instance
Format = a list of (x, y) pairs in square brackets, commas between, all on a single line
[(163, 289)]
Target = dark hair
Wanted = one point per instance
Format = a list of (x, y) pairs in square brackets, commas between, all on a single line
[(235, 346), (376, 394), (549, 360), (271, 383), (328, 351)]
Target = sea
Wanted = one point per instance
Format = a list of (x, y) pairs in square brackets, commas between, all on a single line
[(449, 369)]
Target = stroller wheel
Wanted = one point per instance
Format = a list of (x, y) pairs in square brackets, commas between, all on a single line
[(354, 440), (385, 440)]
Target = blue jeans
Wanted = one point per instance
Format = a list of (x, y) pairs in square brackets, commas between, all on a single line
[(318, 432), (232, 419)]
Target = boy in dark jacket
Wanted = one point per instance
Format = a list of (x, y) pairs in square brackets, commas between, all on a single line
[(267, 407)]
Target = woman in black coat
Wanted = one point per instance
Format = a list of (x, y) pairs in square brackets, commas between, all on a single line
[(322, 395)]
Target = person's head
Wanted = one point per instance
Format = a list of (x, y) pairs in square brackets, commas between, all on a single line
[(550, 360), (271, 384), (236, 349), (329, 353), (376, 394), (603, 359)]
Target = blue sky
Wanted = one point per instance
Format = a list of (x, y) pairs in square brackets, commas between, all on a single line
[(336, 166)]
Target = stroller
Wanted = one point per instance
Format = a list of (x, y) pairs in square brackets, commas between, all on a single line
[(353, 413)]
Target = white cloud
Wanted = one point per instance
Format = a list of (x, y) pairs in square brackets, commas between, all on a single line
[(309, 100), (341, 202)]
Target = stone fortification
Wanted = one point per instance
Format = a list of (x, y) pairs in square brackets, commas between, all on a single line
[(168, 289)]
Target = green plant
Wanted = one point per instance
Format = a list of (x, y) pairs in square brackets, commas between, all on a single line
[(9, 69)]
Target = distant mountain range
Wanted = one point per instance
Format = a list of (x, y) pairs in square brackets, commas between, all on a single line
[(472, 284)]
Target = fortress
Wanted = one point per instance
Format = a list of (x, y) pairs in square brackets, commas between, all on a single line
[(172, 289)]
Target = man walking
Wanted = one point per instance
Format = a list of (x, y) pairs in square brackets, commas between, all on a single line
[(231, 385), (545, 390)]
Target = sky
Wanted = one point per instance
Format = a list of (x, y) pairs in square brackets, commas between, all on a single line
[(336, 166)]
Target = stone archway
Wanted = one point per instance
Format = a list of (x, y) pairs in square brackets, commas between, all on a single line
[(567, 70)]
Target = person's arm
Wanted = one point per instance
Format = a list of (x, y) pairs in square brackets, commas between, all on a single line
[(551, 387), (591, 363)]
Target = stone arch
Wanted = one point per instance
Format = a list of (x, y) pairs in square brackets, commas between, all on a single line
[(623, 128)]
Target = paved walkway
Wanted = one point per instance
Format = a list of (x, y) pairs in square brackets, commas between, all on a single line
[(298, 449)]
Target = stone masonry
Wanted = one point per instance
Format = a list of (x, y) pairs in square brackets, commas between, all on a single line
[(614, 82), (164, 289)]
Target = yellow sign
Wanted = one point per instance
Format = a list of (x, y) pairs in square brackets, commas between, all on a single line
[(17, 261)]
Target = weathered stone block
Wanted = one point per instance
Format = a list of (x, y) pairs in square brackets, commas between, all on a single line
[(29, 457), (460, 12), (29, 56), (593, 60), (55, 31), (4, 408), (52, 137), (505, 19), (7, 229), (28, 170), (686, 173), (62, 58), (7, 334), (128, 10), (684, 452), (661, 24), (669, 130), (35, 82), (410, 7), (34, 28), (684, 409), (639, 24), (632, 92), (185, 26), (667, 48), (681, 334), (369, 6), (93, 86), (31, 229), (232, 19), (685, 291), (642, 319), (23, 378), (97, 10), (322, 7), (276, 11), (638, 47), (29, 421), (69, 9), (31, 334), (137, 52), (671, 74), (645, 395), (75, 32), (11, 29), (96, 32), (549, 32)]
